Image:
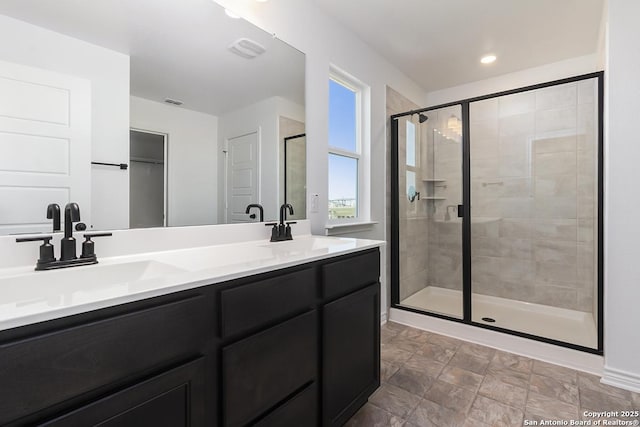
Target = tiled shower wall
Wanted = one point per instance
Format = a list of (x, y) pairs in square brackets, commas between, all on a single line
[(413, 226), (534, 194), (444, 162)]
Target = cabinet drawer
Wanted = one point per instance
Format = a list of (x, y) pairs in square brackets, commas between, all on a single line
[(46, 370), (299, 411), (174, 398), (342, 277), (259, 303), (259, 372)]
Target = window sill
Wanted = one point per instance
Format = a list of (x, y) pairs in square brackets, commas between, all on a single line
[(349, 227)]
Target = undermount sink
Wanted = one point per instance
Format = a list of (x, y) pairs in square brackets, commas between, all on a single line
[(38, 284), (216, 256)]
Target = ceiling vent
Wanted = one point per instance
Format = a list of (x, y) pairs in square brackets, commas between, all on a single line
[(247, 48), (173, 101)]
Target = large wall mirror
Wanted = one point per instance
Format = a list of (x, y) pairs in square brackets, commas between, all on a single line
[(146, 113)]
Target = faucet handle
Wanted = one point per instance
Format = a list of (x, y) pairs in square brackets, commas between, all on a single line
[(45, 239), (46, 249), (88, 246), (90, 235), (287, 230), (275, 231)]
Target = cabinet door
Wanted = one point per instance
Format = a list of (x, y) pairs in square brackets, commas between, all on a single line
[(351, 353), (174, 398), (263, 370), (299, 411)]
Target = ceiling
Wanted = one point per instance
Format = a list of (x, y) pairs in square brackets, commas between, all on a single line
[(438, 43), (178, 49)]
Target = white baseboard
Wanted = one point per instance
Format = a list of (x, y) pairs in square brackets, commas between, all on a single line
[(383, 317), (621, 379), (574, 359)]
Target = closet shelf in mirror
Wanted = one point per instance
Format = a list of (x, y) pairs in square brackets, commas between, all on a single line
[(147, 160)]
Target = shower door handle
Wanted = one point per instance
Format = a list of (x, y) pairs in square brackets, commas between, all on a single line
[(460, 211)]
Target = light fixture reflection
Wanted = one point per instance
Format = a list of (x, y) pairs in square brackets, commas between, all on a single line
[(488, 59), (454, 124)]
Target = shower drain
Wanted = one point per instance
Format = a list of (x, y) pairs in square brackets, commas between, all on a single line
[(489, 319)]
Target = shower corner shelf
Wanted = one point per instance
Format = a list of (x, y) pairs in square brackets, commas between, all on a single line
[(433, 198), (433, 180)]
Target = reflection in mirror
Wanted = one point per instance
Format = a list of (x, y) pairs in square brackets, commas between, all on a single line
[(294, 159), (207, 121), (147, 179)]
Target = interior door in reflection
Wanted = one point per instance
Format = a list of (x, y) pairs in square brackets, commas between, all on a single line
[(242, 176)]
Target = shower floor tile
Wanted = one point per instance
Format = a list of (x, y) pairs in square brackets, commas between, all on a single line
[(575, 327), (512, 389)]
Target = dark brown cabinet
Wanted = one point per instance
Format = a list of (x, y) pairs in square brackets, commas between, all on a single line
[(299, 411), (294, 347), (76, 360), (351, 353), (174, 398), (263, 370)]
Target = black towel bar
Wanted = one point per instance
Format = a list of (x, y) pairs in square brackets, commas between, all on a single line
[(123, 166)]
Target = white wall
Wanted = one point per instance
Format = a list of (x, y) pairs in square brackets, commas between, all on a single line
[(544, 73), (622, 228), (263, 116), (192, 159), (108, 72)]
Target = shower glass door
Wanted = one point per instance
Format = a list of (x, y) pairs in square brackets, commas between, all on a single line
[(534, 211), (496, 213), (429, 191)]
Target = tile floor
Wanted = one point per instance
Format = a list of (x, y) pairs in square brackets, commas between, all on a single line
[(433, 380)]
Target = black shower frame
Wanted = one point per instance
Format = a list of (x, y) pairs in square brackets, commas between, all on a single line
[(466, 219)]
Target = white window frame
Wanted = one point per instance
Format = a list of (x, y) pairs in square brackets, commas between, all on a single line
[(363, 149)]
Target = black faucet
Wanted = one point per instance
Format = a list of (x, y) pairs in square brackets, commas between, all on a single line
[(68, 243), (68, 258), (53, 212), (282, 231), (256, 205), (283, 212)]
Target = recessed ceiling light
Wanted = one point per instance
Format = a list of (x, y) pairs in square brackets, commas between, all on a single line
[(230, 14), (488, 59)]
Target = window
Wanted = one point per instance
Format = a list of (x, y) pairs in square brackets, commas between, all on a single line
[(411, 164), (348, 197)]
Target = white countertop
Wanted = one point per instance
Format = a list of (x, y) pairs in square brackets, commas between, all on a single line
[(27, 296)]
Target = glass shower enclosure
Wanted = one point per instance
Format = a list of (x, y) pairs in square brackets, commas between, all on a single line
[(497, 212)]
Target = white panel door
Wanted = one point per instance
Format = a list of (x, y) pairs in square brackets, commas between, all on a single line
[(45, 146), (242, 176)]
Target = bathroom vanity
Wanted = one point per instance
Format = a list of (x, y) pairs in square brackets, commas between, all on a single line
[(287, 340)]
